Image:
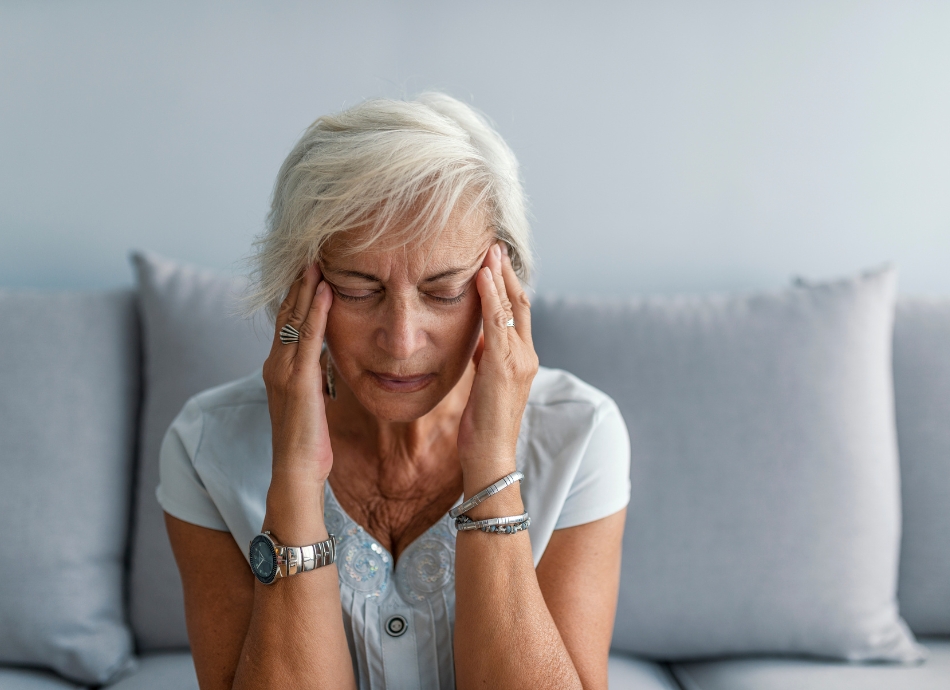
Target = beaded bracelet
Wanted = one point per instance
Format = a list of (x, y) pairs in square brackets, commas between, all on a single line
[(502, 483), (503, 525)]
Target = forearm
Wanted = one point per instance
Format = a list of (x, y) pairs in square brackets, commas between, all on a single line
[(296, 636), (505, 636)]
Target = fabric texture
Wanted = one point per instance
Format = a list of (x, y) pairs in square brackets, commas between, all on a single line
[(765, 509), (629, 673), (192, 340), (573, 450), (28, 679), (161, 671), (68, 400), (796, 674), (922, 393)]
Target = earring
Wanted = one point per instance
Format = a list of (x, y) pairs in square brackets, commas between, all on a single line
[(331, 386)]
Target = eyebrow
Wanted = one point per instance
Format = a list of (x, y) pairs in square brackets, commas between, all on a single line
[(450, 273)]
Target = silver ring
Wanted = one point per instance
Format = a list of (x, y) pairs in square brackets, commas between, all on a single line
[(510, 323), (289, 334)]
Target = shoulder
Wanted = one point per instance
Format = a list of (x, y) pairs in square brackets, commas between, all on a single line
[(563, 416), (575, 453), (248, 390), (558, 393), (223, 417), (214, 463)]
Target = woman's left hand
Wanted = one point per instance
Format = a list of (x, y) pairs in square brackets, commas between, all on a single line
[(506, 364)]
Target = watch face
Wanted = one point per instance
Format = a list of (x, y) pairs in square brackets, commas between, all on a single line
[(263, 559)]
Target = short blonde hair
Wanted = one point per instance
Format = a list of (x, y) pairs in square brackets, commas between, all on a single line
[(398, 168)]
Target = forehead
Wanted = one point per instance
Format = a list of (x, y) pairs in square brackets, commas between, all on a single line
[(461, 243)]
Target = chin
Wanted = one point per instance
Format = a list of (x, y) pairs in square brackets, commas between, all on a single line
[(400, 407)]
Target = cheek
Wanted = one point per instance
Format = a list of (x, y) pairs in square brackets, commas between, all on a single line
[(461, 331), (347, 333), (351, 333)]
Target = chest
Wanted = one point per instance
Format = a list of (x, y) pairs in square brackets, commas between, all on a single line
[(395, 504)]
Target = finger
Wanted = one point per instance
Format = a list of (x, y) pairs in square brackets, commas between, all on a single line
[(493, 314), (308, 287), (313, 329), (495, 264), (520, 304), (286, 307)]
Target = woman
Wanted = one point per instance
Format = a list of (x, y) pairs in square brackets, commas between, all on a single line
[(402, 379)]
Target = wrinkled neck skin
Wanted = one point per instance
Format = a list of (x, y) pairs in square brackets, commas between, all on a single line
[(399, 456)]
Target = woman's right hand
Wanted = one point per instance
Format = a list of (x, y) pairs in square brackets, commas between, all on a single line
[(294, 381)]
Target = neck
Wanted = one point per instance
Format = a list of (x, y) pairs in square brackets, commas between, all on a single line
[(398, 454)]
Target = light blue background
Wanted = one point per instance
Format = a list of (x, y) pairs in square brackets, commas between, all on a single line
[(667, 146)]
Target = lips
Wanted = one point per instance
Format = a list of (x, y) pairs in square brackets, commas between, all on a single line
[(402, 383)]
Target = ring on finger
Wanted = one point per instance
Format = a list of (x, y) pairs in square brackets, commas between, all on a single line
[(510, 323), (289, 334)]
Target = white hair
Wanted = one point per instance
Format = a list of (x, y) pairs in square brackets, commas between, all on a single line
[(396, 168)]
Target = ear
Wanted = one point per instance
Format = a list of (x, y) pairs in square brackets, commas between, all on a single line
[(479, 348)]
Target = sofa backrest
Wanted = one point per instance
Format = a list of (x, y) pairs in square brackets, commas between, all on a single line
[(69, 395), (922, 396), (192, 339), (191, 359), (921, 370)]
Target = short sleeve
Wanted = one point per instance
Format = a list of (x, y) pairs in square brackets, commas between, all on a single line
[(601, 486), (180, 492)]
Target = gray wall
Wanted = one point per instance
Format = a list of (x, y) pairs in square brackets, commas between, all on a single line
[(667, 146)]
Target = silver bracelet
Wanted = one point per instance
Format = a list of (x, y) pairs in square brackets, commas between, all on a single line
[(502, 525), (464, 522), (502, 483)]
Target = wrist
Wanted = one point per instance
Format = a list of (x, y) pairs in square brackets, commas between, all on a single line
[(507, 501), (485, 471), (294, 512)]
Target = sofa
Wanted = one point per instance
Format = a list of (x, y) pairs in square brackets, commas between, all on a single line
[(789, 524)]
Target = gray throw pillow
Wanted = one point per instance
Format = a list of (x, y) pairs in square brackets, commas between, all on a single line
[(922, 392), (193, 340), (69, 374), (765, 508)]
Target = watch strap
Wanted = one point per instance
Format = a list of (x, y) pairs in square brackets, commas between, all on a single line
[(292, 560), (302, 559)]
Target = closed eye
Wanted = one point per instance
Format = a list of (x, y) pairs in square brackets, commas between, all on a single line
[(354, 295), (350, 295), (448, 300)]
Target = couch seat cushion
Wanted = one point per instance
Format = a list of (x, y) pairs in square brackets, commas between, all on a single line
[(29, 679), (795, 674), (161, 671), (630, 673)]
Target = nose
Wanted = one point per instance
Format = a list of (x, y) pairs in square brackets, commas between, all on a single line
[(403, 334)]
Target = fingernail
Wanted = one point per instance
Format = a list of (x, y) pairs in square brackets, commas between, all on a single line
[(321, 287), (496, 250), (504, 248)]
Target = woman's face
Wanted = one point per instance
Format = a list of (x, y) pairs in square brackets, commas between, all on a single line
[(405, 321)]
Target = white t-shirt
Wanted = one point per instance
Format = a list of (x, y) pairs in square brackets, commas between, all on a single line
[(573, 449)]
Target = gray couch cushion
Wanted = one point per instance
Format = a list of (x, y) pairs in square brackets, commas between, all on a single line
[(69, 373), (168, 671), (27, 679), (765, 507), (192, 341), (922, 392), (629, 673), (796, 674)]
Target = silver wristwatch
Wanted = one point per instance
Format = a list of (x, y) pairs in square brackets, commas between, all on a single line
[(270, 560)]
